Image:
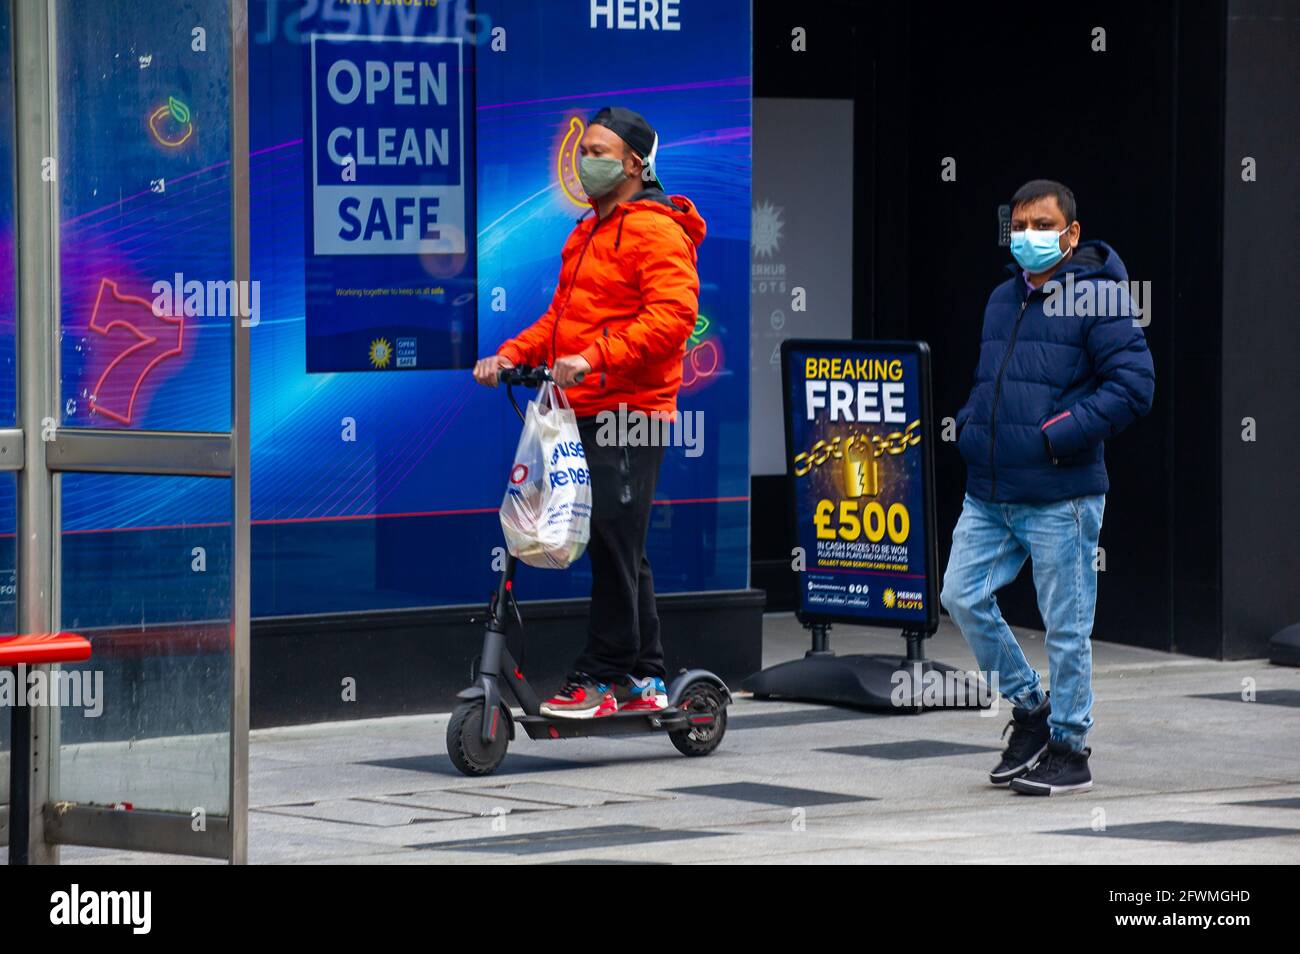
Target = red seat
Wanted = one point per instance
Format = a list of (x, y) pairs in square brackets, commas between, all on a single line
[(38, 649)]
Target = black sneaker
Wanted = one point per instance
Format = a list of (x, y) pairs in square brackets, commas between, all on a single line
[(1062, 771), (1029, 737)]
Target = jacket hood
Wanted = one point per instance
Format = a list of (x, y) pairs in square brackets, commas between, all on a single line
[(1091, 259), (677, 207)]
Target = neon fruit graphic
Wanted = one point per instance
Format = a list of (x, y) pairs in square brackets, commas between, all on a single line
[(566, 165), (702, 362), (141, 350), (697, 333), (703, 355), (170, 123)]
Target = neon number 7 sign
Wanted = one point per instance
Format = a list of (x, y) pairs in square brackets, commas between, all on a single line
[(139, 341)]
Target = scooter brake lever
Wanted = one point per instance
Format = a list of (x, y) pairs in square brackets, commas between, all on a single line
[(514, 604)]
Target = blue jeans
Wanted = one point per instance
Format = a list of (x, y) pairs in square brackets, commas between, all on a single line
[(989, 546)]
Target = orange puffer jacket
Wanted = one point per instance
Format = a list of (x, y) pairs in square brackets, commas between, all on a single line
[(627, 300)]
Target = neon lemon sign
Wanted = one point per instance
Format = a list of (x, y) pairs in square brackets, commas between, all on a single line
[(171, 124)]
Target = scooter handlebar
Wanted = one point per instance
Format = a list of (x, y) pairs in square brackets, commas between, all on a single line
[(526, 376)]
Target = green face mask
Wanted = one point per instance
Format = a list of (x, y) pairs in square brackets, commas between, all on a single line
[(600, 175)]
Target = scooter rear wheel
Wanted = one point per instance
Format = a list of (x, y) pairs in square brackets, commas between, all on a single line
[(465, 745), (702, 698)]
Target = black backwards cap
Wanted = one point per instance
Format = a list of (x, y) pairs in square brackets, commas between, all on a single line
[(633, 129)]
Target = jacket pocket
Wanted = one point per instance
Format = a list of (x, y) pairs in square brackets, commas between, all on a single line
[(1063, 438)]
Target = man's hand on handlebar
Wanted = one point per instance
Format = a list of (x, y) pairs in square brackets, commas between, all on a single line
[(569, 370), (487, 370)]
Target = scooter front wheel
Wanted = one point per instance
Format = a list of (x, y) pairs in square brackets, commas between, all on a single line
[(706, 711), (465, 745)]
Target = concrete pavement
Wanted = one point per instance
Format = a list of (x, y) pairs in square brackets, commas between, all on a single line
[(1185, 771)]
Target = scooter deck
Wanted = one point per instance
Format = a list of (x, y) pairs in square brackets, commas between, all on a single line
[(620, 723)]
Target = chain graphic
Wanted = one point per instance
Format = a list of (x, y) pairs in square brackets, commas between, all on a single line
[(891, 444)]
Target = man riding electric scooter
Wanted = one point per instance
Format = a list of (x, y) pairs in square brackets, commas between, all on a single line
[(615, 337)]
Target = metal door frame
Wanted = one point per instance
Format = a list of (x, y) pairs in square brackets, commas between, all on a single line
[(37, 451)]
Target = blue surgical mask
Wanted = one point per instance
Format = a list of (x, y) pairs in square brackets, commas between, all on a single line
[(1037, 251)]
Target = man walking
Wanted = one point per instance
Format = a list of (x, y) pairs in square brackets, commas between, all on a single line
[(1063, 366), (615, 338)]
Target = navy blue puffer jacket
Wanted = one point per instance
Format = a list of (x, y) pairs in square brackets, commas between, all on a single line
[(1050, 388)]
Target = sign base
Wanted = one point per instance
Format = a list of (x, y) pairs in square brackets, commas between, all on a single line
[(907, 684), (1284, 647), (878, 682)]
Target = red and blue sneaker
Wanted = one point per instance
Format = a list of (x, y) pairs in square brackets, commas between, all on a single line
[(641, 694), (581, 697)]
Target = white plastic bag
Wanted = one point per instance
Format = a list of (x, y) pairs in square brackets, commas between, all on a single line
[(546, 513)]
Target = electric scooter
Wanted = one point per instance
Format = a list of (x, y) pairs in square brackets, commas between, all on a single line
[(483, 724)]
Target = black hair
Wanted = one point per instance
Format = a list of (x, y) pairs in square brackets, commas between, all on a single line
[(1041, 188)]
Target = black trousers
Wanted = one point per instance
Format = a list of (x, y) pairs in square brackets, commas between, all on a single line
[(623, 630)]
